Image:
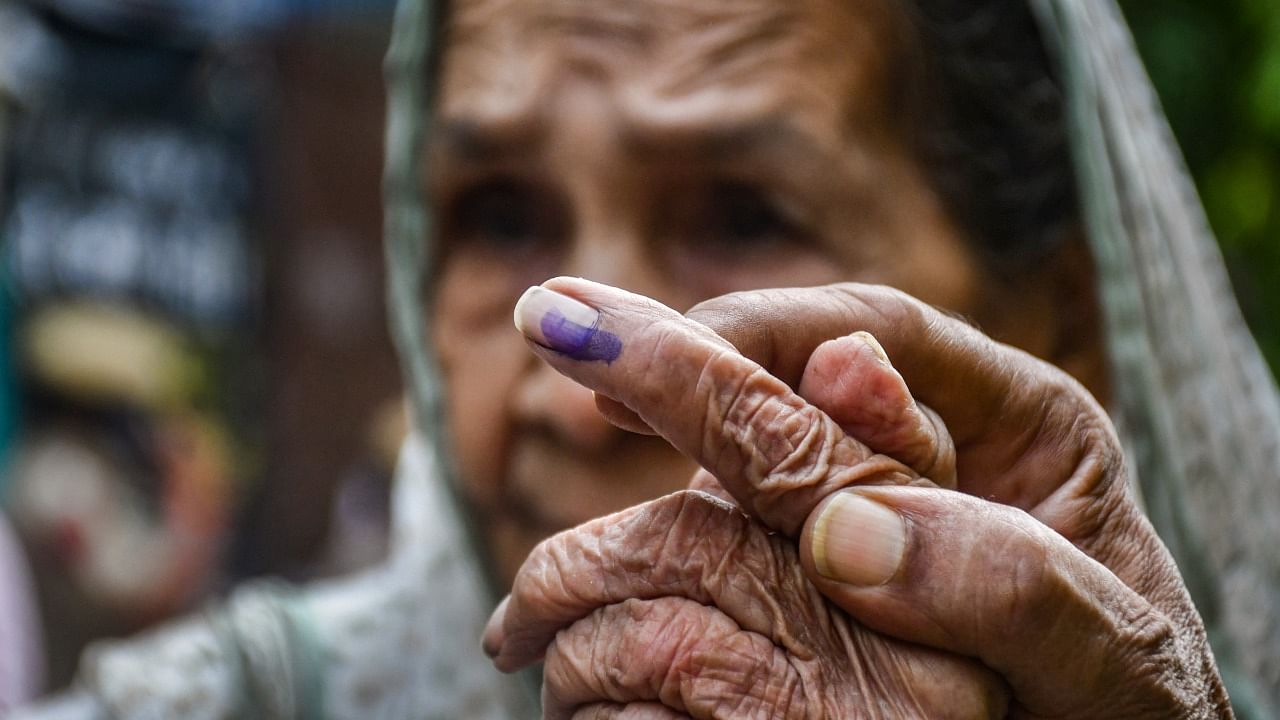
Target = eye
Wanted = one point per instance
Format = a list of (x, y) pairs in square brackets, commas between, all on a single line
[(504, 215), (741, 216)]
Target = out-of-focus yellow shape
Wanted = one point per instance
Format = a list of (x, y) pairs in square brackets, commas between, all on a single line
[(101, 352)]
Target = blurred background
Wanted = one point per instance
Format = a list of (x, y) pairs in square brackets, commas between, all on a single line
[(1216, 66), (196, 385)]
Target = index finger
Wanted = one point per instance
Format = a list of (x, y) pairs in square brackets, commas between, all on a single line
[(775, 453)]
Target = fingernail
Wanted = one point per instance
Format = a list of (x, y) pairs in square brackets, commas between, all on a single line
[(569, 327), (491, 640), (858, 541), (871, 342)]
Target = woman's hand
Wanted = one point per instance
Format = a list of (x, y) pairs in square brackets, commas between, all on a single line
[(1043, 567), (686, 602), (1053, 579)]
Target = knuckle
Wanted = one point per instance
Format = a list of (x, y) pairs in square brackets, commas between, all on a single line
[(1155, 644), (701, 512), (890, 306), (773, 433), (795, 467), (1080, 432), (736, 317), (541, 565), (729, 560), (730, 305), (699, 535), (1152, 635), (663, 354), (742, 675), (699, 517), (1026, 589), (1162, 672), (755, 322), (741, 310), (671, 649), (571, 666)]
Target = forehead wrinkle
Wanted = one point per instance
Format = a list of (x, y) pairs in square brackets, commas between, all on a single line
[(622, 23), (491, 74), (511, 49), (714, 60), (627, 25), (729, 56), (722, 47), (730, 27)]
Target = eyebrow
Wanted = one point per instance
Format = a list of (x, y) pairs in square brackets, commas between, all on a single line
[(724, 142), (470, 141)]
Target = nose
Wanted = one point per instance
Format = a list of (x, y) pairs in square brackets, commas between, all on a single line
[(616, 252)]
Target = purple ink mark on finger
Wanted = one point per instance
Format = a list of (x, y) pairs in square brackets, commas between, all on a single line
[(580, 342)]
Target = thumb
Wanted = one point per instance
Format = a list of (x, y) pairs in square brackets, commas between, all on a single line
[(989, 581)]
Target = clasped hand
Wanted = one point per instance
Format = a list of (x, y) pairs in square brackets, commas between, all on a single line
[(897, 517)]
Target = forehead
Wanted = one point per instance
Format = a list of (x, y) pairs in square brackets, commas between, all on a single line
[(671, 61)]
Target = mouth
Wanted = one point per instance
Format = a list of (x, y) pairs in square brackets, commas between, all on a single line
[(550, 488)]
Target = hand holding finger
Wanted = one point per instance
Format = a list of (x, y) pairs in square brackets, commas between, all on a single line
[(1025, 433), (774, 452), (1061, 568)]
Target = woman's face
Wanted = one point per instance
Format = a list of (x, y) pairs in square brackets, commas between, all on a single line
[(681, 149)]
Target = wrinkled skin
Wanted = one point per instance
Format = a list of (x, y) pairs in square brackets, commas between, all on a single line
[(685, 150), (717, 619), (1041, 566), (676, 149)]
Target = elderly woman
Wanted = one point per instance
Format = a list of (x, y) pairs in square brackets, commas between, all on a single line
[(834, 500)]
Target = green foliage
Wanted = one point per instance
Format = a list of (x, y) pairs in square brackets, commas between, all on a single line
[(1216, 66)]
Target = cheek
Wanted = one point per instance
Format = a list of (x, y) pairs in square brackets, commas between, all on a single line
[(929, 264), (482, 358), (910, 243), (702, 276), (939, 269), (804, 270)]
